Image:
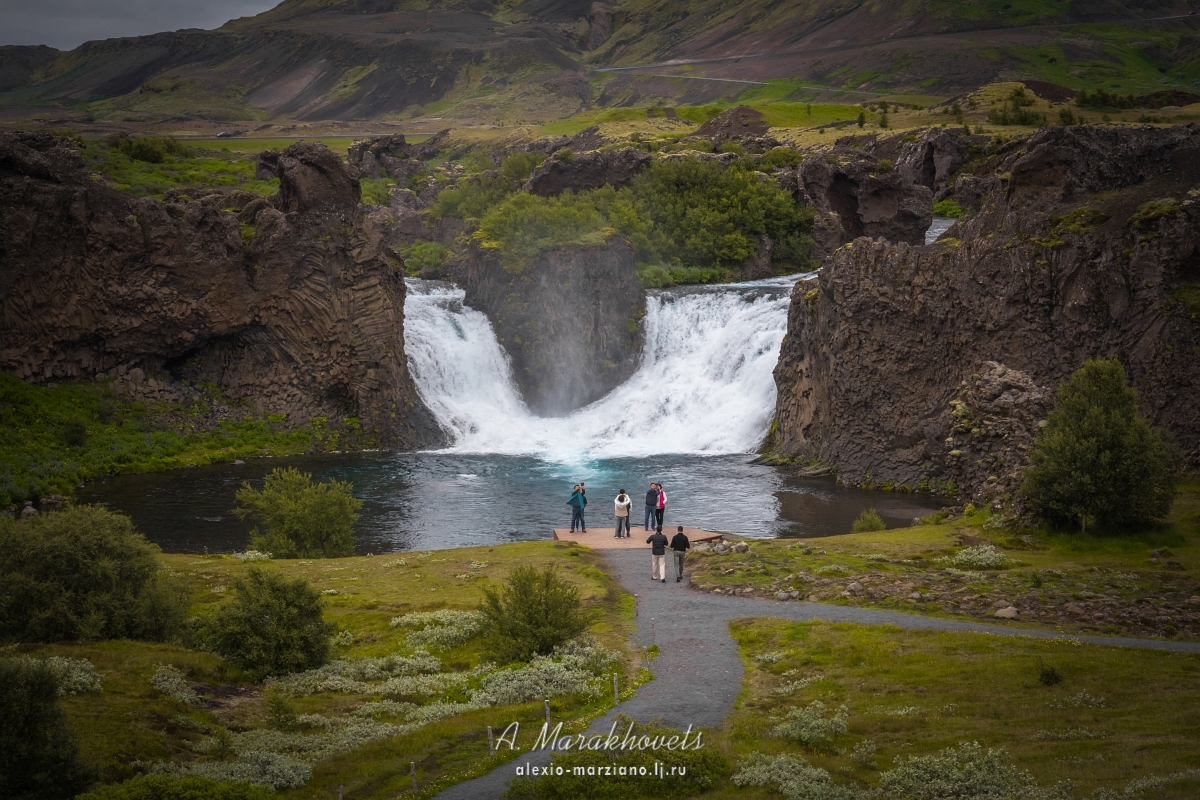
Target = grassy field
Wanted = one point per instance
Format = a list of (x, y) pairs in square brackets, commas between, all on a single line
[(1140, 585), (1117, 715), (131, 721)]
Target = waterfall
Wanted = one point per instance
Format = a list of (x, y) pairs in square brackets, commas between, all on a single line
[(704, 385)]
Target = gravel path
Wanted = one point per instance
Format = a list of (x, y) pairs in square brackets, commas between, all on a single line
[(698, 674)]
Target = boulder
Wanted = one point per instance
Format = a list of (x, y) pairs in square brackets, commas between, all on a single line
[(933, 159), (311, 176), (266, 165), (735, 123), (1008, 612), (585, 171), (855, 194)]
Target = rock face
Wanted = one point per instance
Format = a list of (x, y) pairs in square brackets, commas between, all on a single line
[(305, 320), (384, 157), (568, 320), (926, 366), (584, 171), (855, 194), (735, 123), (933, 159)]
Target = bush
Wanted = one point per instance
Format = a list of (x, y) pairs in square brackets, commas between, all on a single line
[(83, 573), (39, 758), (73, 675), (301, 520), (165, 787), (1101, 99), (1098, 458), (151, 149), (422, 255), (947, 208), (985, 556), (956, 773), (271, 626), (533, 613), (445, 628), (519, 166), (810, 727), (868, 521), (793, 777), (704, 767), (780, 157)]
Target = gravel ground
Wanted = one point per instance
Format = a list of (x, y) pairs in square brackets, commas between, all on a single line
[(698, 673)]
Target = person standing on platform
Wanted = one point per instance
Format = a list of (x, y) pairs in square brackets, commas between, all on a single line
[(679, 548), (577, 502), (651, 505), (623, 505), (661, 508), (658, 555)]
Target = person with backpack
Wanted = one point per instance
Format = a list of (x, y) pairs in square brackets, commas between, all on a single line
[(679, 548), (577, 502), (661, 507), (658, 555), (651, 504), (623, 504)]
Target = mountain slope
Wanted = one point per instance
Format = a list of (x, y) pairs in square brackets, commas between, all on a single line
[(489, 61)]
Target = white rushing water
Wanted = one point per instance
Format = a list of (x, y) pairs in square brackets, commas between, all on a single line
[(704, 385)]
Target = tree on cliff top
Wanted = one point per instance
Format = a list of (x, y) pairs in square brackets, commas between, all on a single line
[(301, 520), (1098, 458)]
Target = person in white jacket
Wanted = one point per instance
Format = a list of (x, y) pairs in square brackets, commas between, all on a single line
[(623, 504)]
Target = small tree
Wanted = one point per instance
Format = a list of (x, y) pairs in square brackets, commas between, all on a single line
[(868, 522), (301, 520), (271, 626), (39, 758), (1098, 457), (862, 118), (83, 573), (532, 614)]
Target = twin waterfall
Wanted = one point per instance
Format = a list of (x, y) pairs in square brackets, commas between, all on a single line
[(704, 385)]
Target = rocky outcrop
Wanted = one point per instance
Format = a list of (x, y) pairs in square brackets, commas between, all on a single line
[(934, 159), (585, 171), (568, 318), (735, 123), (853, 194), (933, 366), (302, 317), (384, 157)]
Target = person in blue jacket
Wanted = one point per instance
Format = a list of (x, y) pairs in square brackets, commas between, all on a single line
[(651, 505), (577, 502)]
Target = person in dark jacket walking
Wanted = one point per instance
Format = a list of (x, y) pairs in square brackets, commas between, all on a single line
[(658, 555), (651, 504), (577, 503), (679, 548)]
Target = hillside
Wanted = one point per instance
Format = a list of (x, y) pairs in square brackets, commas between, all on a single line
[(485, 62)]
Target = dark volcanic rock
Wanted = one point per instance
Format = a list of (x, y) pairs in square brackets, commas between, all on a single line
[(383, 157), (933, 159), (568, 320), (266, 165), (615, 168), (925, 365), (855, 194), (734, 124), (306, 321), (311, 176)]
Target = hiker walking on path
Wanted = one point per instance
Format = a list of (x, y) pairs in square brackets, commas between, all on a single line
[(658, 555), (651, 505), (679, 548), (661, 508), (577, 503), (623, 504)]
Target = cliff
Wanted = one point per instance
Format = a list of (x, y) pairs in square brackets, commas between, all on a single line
[(568, 320), (931, 366), (289, 308)]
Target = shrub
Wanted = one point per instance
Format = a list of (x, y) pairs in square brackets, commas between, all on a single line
[(39, 758), (1048, 675), (83, 573), (278, 712), (965, 771), (1098, 457), (793, 777), (885, 165), (271, 626), (164, 787), (868, 521), (985, 556), (151, 149), (863, 754), (779, 157), (171, 682), (947, 208), (533, 613), (302, 520), (1101, 99), (73, 675), (572, 670), (809, 725), (703, 768), (445, 628), (519, 166), (424, 255)]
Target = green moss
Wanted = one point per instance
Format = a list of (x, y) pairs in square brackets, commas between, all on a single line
[(947, 208), (1081, 220), (1189, 296), (1153, 210)]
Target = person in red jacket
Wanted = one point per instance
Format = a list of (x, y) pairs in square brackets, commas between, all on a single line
[(662, 507)]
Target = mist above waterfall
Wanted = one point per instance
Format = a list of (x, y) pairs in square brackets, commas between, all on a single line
[(704, 384)]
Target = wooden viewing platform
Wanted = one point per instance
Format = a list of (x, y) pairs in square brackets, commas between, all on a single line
[(602, 538)]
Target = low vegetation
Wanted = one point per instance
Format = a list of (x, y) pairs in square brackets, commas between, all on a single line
[(300, 519), (923, 714), (406, 677), (150, 166)]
